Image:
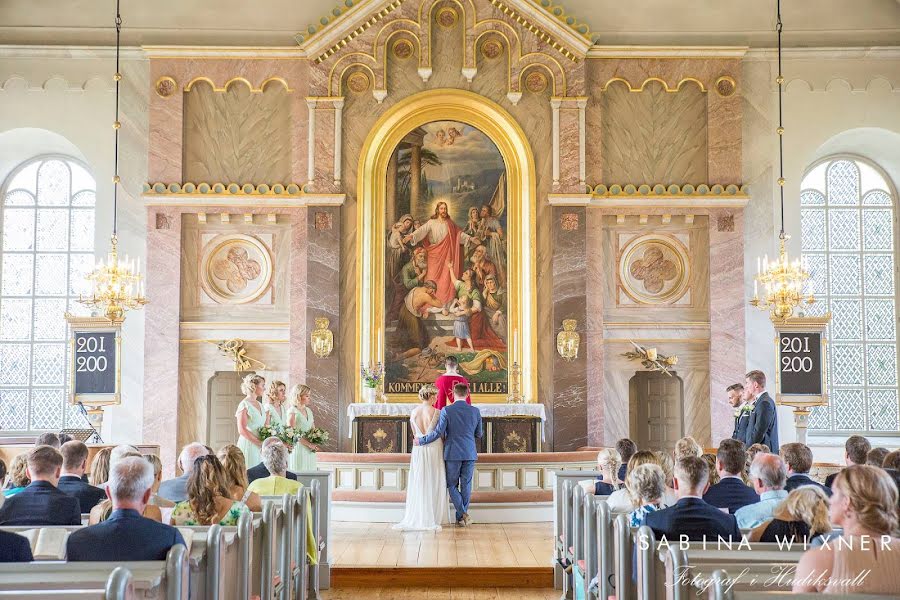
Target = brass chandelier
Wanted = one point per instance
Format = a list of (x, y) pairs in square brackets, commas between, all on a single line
[(783, 280), (116, 285)]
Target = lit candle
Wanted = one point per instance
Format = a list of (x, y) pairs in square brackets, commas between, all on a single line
[(755, 289)]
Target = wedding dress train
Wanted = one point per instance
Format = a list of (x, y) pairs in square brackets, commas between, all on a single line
[(426, 489)]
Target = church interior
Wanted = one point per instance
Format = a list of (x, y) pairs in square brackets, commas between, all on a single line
[(281, 251)]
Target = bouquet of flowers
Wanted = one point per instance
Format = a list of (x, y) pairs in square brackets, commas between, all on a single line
[(288, 435), (371, 376), (316, 436)]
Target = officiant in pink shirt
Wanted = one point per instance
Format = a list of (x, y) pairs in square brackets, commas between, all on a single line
[(446, 382)]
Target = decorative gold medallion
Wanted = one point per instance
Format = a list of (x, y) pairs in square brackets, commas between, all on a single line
[(725, 86), (654, 269), (165, 87), (535, 82), (403, 49), (447, 17), (235, 269), (513, 442), (358, 82), (491, 49)]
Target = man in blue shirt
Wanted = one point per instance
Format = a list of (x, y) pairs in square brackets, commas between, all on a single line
[(125, 535), (769, 477)]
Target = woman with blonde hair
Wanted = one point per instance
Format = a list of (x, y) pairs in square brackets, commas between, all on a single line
[(232, 460), (687, 446), (18, 476), (300, 417), (864, 505), (608, 461), (667, 463), (710, 460), (209, 501), (275, 396), (627, 498), (251, 415), (100, 467), (800, 517), (647, 484)]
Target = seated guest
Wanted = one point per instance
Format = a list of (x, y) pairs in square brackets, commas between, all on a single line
[(667, 463), (176, 489), (75, 455), (710, 460), (876, 456), (232, 460), (209, 500), (259, 471), (691, 516), (856, 451), (755, 449), (626, 449), (891, 461), (687, 446), (626, 499), (802, 516), (47, 439), (798, 458), (125, 535), (41, 503), (864, 504), (731, 492), (648, 484), (100, 467), (18, 476), (104, 510), (14, 548), (64, 438), (155, 498), (768, 476), (608, 461), (275, 457)]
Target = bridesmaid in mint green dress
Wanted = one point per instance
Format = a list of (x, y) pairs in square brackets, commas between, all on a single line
[(303, 458), (251, 415), (275, 403)]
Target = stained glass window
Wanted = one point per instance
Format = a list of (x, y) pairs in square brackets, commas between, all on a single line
[(47, 249), (847, 222)]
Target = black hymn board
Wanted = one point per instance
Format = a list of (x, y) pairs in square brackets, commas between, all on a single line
[(94, 362)]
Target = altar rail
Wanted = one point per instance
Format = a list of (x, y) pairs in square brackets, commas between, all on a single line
[(512, 487)]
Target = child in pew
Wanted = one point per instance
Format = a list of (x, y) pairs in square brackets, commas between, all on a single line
[(802, 516)]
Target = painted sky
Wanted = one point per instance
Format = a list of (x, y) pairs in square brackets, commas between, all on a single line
[(470, 153)]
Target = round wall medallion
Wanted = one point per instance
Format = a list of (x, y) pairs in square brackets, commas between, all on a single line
[(403, 49), (536, 82), (654, 269), (447, 17), (491, 49), (725, 86), (165, 87), (358, 82), (235, 269)]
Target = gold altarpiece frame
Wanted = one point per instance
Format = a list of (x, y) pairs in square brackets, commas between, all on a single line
[(503, 130)]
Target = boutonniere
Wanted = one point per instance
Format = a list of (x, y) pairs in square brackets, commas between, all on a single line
[(742, 410)]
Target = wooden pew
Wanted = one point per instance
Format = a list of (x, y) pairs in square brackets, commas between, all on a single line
[(320, 486), (721, 589), (119, 586), (220, 561), (563, 486), (162, 580)]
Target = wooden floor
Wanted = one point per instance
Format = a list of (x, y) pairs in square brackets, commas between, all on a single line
[(456, 593), (480, 545)]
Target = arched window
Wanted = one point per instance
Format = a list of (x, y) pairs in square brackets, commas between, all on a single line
[(847, 222), (47, 249)]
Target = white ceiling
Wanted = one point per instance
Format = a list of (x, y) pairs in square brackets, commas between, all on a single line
[(274, 22)]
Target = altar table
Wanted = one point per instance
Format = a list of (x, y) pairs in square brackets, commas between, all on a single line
[(384, 428)]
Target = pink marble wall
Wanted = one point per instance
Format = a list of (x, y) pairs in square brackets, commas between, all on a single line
[(299, 330), (598, 425), (569, 150), (727, 362), (165, 119), (161, 333)]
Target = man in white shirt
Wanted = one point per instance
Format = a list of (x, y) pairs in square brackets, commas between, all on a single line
[(769, 477)]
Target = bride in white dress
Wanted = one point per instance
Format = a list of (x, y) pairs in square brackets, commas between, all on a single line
[(426, 490)]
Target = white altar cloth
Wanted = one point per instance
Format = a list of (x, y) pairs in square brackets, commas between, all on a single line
[(361, 409)]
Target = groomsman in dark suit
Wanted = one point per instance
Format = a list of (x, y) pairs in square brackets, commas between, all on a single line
[(731, 492), (41, 503), (763, 425), (75, 455), (799, 459), (735, 393)]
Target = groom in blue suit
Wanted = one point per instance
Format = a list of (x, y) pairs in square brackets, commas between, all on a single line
[(459, 425)]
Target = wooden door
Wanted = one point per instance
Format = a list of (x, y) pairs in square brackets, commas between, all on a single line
[(658, 401), (224, 396)]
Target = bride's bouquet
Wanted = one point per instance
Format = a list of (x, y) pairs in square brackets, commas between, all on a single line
[(316, 436)]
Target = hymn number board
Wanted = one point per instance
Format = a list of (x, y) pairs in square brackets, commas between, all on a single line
[(94, 357), (801, 364)]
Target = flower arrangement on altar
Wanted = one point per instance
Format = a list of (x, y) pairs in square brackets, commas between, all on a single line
[(651, 359), (371, 376), (316, 436)]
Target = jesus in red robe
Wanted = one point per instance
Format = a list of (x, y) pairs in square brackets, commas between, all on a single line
[(442, 238)]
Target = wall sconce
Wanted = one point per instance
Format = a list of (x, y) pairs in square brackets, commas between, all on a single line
[(568, 340), (321, 338)]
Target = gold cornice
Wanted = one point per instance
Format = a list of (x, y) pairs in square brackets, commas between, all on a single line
[(224, 88), (349, 37), (647, 190), (537, 30), (668, 88)]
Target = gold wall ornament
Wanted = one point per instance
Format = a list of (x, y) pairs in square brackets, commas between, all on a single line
[(491, 49), (358, 82), (402, 49), (165, 87), (235, 350), (654, 269), (725, 86), (321, 339), (447, 17), (568, 340), (536, 82), (651, 359)]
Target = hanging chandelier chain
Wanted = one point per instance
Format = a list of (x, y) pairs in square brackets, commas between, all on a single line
[(117, 125), (779, 26)]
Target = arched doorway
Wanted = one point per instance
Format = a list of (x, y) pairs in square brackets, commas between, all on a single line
[(656, 409), (504, 132)]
